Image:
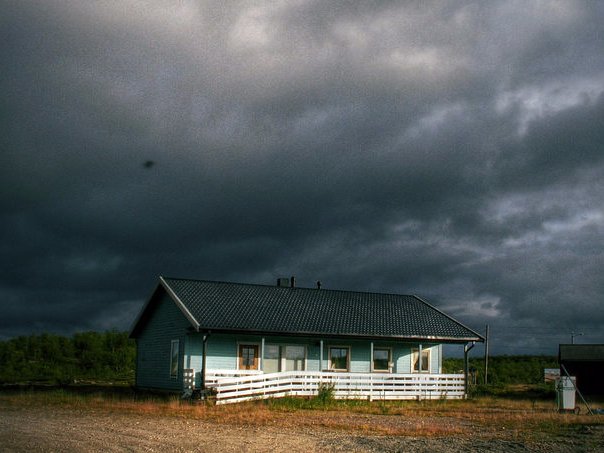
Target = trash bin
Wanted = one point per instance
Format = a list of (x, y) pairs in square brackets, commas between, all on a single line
[(567, 393)]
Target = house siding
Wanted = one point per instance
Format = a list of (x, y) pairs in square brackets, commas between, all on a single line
[(222, 351), (166, 323), (403, 352), (401, 359)]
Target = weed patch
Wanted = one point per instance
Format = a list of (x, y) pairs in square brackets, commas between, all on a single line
[(326, 392)]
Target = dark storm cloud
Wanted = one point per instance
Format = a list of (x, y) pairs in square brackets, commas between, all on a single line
[(453, 151)]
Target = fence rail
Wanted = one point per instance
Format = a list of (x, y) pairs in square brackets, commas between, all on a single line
[(234, 386)]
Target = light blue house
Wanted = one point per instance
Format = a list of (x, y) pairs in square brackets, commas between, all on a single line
[(257, 340)]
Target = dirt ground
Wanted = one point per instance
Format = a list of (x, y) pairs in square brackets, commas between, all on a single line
[(58, 429)]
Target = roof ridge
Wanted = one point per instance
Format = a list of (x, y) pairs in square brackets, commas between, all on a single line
[(265, 285)]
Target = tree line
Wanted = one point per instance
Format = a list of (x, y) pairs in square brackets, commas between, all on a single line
[(111, 356), (56, 359), (505, 369)]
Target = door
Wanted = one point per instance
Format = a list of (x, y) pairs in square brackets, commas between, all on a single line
[(295, 358), (248, 356)]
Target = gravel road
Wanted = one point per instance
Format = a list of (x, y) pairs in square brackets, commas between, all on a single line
[(48, 429)]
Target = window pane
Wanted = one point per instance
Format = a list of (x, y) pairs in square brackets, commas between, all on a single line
[(271, 351), (248, 356), (271, 358), (174, 358), (294, 352), (425, 362), (339, 358), (381, 358), (294, 358)]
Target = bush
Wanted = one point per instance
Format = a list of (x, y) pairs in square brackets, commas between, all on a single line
[(326, 392)]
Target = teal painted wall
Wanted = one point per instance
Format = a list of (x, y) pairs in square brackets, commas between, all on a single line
[(222, 350), (403, 357), (165, 324)]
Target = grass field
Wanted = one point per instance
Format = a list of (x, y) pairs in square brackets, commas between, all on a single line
[(517, 411), (89, 418)]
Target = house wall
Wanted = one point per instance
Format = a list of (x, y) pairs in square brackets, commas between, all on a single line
[(166, 323), (222, 352), (360, 355)]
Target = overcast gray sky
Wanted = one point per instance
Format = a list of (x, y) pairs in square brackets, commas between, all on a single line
[(452, 150)]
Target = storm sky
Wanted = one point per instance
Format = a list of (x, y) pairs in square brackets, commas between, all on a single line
[(447, 149)]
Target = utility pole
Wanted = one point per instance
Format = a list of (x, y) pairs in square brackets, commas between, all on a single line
[(466, 366), (486, 355), (573, 335)]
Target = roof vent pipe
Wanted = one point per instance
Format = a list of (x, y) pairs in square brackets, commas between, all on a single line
[(293, 282), (318, 284), (283, 282)]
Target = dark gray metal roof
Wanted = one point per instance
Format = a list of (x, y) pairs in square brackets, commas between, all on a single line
[(581, 352), (236, 307)]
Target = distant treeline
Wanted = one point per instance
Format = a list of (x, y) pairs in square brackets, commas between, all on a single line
[(55, 359), (505, 369), (110, 356)]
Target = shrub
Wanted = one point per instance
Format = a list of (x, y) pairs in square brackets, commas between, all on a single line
[(326, 392)]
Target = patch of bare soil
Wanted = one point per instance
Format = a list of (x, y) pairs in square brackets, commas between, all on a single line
[(48, 429)]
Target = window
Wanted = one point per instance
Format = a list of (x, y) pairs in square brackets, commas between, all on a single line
[(248, 356), (174, 349), (339, 358), (294, 358), (425, 361), (271, 359), (381, 359)]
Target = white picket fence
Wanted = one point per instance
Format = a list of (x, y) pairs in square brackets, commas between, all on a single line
[(235, 386)]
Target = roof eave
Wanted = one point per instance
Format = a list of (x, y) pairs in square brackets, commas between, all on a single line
[(480, 339), (405, 338), (134, 327), (185, 311)]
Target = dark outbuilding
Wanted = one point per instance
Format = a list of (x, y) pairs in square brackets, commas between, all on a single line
[(586, 362)]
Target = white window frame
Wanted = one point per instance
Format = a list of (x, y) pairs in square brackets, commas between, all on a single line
[(283, 354), (390, 364), (414, 354), (174, 360), (348, 357)]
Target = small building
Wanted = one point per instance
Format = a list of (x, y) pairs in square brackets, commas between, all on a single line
[(248, 341), (586, 363)]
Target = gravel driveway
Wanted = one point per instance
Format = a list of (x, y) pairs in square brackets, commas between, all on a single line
[(48, 429)]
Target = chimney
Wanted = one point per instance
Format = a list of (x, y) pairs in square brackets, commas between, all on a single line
[(293, 281), (283, 282)]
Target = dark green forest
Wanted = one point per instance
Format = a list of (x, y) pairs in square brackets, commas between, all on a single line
[(54, 359), (505, 369), (110, 357)]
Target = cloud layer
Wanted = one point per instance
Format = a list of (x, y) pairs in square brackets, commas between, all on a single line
[(452, 151)]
